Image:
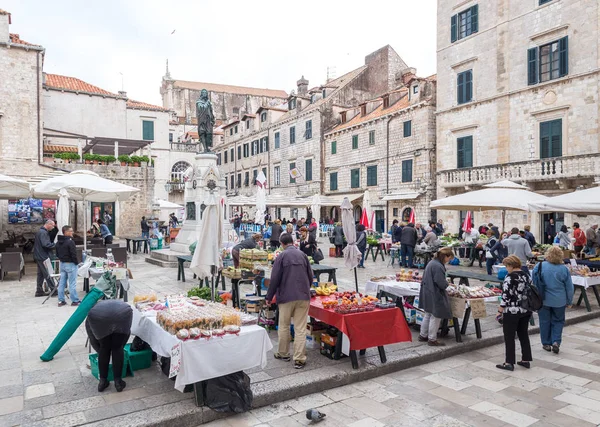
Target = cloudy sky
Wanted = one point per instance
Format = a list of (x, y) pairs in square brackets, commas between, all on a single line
[(265, 43)]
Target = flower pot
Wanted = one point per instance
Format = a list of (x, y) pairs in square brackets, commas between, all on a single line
[(87, 162), (123, 163), (95, 162), (136, 164)]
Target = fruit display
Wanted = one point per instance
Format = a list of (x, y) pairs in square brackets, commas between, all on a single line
[(325, 289), (383, 278), (206, 318), (405, 275), (349, 303), (232, 272), (145, 298), (469, 292)]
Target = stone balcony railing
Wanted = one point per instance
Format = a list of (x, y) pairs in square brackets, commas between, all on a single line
[(192, 147), (572, 167), (175, 186)]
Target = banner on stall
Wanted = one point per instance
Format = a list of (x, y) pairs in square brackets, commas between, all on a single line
[(478, 308), (175, 360)]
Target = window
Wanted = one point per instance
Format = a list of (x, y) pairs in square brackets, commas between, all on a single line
[(324, 93), (246, 179), (292, 167), (231, 154), (333, 181), (177, 171), (170, 136), (551, 139), (264, 171), (395, 212), (308, 170), (239, 180), (239, 152), (232, 181), (548, 62), (230, 131), (248, 124), (246, 150), (292, 135), (292, 104), (355, 178), (371, 175), (415, 89), (354, 142), (464, 87), (464, 24), (235, 129), (254, 150), (254, 176), (464, 152), (264, 144), (263, 116), (308, 131), (226, 184), (147, 130), (407, 128), (407, 166), (313, 98), (333, 147), (277, 140), (277, 175), (219, 159), (225, 156), (544, 2), (236, 111), (371, 137)]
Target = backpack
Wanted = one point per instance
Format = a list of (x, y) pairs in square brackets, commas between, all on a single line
[(532, 300)]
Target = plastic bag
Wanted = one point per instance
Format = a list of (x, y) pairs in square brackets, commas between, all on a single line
[(230, 393)]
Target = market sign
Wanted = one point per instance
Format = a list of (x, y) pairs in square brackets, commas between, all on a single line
[(176, 303), (175, 359)]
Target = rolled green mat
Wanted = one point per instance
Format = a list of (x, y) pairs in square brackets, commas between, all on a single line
[(72, 324)]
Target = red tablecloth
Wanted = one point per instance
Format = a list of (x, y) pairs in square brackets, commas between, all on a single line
[(367, 329)]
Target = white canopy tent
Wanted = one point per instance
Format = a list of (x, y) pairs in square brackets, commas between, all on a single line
[(316, 207), (582, 202), (165, 204), (14, 188)]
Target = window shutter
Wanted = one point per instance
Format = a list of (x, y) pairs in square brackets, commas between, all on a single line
[(453, 28), (460, 82), (475, 18), (563, 50), (468, 152), (532, 66), (333, 147), (266, 144), (468, 93), (545, 140), (556, 128)]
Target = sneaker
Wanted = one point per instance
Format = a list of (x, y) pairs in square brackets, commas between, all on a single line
[(423, 339), (555, 347), (299, 365), (280, 357), (75, 304), (506, 367), (61, 303), (436, 343), (547, 347)]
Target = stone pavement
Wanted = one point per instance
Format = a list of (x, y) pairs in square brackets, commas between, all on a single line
[(63, 392), (465, 390)]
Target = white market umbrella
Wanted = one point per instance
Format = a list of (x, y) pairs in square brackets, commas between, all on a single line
[(352, 255), (316, 207), (502, 196), (261, 198), (579, 202), (207, 256), (13, 188), (63, 211), (165, 204), (85, 186)]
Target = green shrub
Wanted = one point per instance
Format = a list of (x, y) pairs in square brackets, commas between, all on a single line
[(124, 158)]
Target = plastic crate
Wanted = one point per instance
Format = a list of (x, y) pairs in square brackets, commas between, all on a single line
[(139, 359), (127, 372)]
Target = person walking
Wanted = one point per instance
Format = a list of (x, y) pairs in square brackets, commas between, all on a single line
[(67, 255), (108, 326), (291, 279), (145, 228), (408, 241), (515, 319), (361, 244), (173, 221), (433, 298), (249, 243), (276, 231), (591, 236), (580, 240), (564, 240), (529, 236), (338, 239), (518, 246), (490, 257), (105, 232), (42, 247), (553, 280), (550, 232), (237, 223)]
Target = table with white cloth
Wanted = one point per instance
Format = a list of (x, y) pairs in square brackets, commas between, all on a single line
[(203, 359), (583, 283), (399, 289)]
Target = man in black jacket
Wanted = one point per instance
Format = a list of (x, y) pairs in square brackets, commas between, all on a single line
[(67, 254), (41, 252), (408, 241)]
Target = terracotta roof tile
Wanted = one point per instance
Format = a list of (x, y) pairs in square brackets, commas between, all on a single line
[(55, 81), (138, 105), (215, 87), (16, 39), (60, 148)]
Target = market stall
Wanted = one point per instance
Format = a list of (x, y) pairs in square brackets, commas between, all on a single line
[(467, 302), (583, 278)]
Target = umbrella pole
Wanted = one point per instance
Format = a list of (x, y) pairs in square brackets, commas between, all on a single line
[(356, 279), (503, 220), (84, 224)]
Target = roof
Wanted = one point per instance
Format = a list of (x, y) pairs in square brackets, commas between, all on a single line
[(16, 39), (271, 108), (72, 84), (138, 105), (48, 148), (230, 124), (251, 116), (4, 12), (241, 90)]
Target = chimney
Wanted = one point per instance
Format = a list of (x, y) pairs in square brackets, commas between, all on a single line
[(4, 23), (123, 93), (363, 109), (386, 100), (302, 86), (343, 114), (406, 75)]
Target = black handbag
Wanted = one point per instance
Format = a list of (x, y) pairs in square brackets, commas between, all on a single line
[(318, 255)]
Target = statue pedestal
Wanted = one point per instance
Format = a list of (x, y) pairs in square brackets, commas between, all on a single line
[(196, 192)]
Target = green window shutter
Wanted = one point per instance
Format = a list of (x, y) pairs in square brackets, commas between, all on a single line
[(333, 184), (453, 28), (475, 19), (277, 140), (460, 83), (563, 51), (407, 170), (355, 178), (468, 86), (292, 135), (354, 142), (372, 137), (266, 143), (147, 130), (333, 147), (468, 152), (407, 128), (532, 66), (545, 140), (556, 138), (292, 180), (371, 176), (308, 170)]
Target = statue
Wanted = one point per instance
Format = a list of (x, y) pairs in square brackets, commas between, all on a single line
[(206, 120)]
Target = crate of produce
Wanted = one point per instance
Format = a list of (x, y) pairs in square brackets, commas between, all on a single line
[(127, 372), (139, 359)]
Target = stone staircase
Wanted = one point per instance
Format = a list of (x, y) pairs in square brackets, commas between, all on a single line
[(164, 258)]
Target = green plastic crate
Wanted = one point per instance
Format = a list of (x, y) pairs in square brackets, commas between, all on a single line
[(139, 359), (127, 371)]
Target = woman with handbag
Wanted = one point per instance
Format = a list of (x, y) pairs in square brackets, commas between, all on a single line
[(553, 280)]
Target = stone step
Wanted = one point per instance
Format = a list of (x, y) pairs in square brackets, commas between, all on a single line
[(161, 263)]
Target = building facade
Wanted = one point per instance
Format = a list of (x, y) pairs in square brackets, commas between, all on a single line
[(518, 86)]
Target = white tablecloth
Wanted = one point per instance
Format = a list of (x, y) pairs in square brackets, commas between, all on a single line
[(400, 289), (205, 359), (586, 282)]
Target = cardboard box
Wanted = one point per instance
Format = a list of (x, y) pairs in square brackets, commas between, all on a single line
[(328, 339), (410, 314), (315, 326), (253, 307), (328, 350)]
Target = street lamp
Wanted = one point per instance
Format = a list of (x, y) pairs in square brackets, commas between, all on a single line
[(168, 187)]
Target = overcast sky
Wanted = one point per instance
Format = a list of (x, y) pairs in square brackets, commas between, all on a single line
[(265, 43)]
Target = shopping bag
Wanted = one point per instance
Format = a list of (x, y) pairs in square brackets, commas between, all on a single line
[(318, 255), (229, 393)]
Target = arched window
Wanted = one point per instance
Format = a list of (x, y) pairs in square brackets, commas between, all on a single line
[(177, 171), (406, 214)]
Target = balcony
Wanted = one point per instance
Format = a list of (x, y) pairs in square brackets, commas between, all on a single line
[(174, 186), (556, 168), (185, 147)]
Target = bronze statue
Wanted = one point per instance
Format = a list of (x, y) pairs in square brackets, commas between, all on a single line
[(206, 120)]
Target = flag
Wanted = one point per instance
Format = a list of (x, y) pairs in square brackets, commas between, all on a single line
[(295, 173), (261, 180), (468, 223), (412, 218)]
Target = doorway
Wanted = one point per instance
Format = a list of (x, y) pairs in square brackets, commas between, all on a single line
[(559, 220), (379, 221), (106, 211)]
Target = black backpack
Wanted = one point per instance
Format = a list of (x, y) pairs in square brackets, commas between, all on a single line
[(532, 300)]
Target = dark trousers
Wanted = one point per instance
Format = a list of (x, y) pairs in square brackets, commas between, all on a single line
[(108, 240), (107, 346), (489, 263), (338, 251), (274, 244), (518, 323), (43, 274), (406, 256)]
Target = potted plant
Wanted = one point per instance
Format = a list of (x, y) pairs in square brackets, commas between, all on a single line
[(124, 159), (109, 159), (58, 158), (71, 157), (136, 160), (88, 158), (144, 160)]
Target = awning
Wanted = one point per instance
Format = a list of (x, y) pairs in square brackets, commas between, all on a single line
[(106, 146), (401, 196)]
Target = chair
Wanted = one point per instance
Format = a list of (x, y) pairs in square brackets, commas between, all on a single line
[(120, 255), (99, 252), (13, 249), (11, 262), (79, 252), (113, 245), (97, 241)]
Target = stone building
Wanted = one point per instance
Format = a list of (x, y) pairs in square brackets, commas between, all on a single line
[(283, 138), (517, 99), (386, 145)]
